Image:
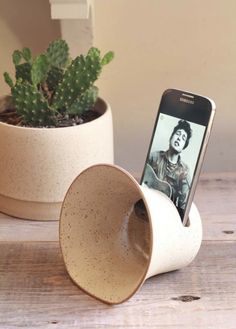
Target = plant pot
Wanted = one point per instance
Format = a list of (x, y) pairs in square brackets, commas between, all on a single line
[(108, 248), (37, 165)]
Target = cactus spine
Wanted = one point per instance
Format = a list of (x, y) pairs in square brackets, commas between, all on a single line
[(51, 85)]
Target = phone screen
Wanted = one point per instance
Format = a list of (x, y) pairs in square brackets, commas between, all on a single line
[(176, 145)]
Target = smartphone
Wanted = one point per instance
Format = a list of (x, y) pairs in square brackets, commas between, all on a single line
[(178, 144)]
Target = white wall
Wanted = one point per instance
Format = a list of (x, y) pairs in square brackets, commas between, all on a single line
[(187, 44), (158, 44), (24, 23)]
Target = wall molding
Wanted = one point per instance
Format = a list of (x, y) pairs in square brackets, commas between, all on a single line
[(70, 9), (77, 23)]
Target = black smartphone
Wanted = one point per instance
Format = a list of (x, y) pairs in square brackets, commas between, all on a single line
[(178, 144)]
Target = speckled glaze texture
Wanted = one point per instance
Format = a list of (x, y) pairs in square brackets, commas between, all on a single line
[(109, 251), (38, 164)]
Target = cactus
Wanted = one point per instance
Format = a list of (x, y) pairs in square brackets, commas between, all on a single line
[(51, 86), (84, 102), (58, 53), (79, 76), (18, 55), (23, 71), (39, 69), (8, 79), (32, 106), (54, 77)]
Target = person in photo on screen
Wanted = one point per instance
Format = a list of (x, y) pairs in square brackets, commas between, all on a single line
[(168, 173)]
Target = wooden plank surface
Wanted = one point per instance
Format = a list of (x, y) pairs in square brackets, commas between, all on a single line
[(215, 198), (14, 229), (36, 292)]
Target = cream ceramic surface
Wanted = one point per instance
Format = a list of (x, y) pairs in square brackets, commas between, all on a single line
[(174, 245), (38, 164), (109, 249)]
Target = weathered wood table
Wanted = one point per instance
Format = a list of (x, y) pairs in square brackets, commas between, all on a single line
[(36, 291)]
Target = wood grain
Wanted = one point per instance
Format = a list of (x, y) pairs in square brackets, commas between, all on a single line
[(215, 198), (36, 291), (14, 229)]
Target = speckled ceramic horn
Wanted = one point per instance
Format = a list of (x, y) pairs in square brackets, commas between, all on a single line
[(114, 233)]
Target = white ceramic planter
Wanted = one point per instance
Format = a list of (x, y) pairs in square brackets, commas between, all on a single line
[(108, 250), (37, 165)]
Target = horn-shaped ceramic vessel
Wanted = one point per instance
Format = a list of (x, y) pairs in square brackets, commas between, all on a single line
[(114, 233)]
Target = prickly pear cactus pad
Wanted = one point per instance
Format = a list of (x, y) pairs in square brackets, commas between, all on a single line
[(31, 105), (58, 53), (53, 90)]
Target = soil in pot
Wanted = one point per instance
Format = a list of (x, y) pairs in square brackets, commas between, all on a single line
[(10, 116)]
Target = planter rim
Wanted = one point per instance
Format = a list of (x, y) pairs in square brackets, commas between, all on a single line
[(38, 164), (107, 108)]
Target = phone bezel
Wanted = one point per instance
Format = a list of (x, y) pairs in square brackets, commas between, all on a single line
[(206, 120)]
